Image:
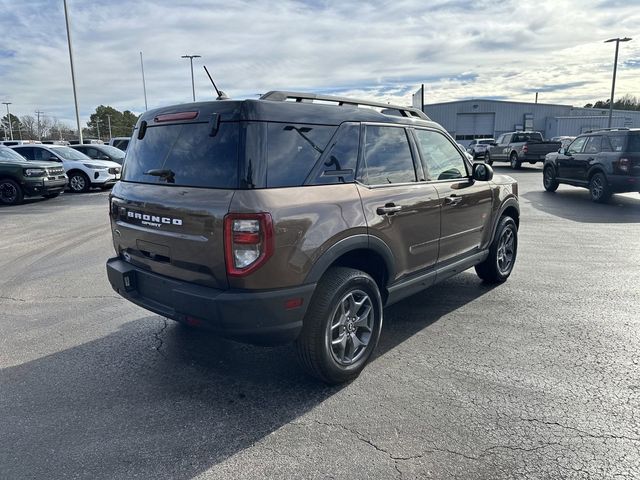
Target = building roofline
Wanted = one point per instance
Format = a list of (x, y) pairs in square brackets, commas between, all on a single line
[(499, 101)]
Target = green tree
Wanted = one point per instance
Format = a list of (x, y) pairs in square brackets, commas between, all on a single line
[(122, 123), (16, 126), (627, 102)]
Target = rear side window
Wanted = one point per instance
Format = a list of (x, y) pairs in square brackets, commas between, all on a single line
[(339, 164), (387, 156), (634, 143), (188, 153), (293, 150)]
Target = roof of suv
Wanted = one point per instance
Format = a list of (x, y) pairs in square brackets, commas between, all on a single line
[(304, 108)]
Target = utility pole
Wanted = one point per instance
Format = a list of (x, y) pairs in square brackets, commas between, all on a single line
[(536, 97), (615, 68), (144, 86), (73, 75), (193, 88), (38, 112), (109, 120), (98, 127), (9, 120)]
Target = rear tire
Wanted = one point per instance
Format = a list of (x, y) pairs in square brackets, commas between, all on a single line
[(487, 159), (599, 188), (502, 254), (79, 182), (549, 179), (515, 163), (342, 326), (10, 192)]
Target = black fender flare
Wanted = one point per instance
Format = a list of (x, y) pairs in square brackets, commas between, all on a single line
[(346, 245), (509, 202)]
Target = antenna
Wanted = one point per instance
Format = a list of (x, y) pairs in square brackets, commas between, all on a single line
[(221, 94)]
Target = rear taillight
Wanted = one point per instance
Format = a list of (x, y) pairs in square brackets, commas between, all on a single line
[(624, 164), (248, 242), (525, 149)]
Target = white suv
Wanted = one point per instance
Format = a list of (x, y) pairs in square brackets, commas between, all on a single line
[(83, 172), (478, 148)]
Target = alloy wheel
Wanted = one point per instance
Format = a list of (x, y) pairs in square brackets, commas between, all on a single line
[(350, 329), (77, 183), (506, 250), (8, 193)]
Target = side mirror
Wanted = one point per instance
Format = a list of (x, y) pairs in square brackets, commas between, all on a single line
[(482, 172), (562, 151)]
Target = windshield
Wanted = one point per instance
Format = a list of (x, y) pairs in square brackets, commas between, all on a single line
[(113, 151), (7, 153), (70, 154)]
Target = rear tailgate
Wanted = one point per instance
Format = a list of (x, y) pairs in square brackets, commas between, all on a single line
[(177, 232), (540, 149), (167, 213)]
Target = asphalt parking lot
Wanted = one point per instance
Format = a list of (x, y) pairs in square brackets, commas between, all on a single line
[(536, 378)]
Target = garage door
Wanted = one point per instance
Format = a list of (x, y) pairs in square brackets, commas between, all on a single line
[(474, 125)]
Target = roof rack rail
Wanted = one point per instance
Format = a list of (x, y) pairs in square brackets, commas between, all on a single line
[(615, 129), (282, 96)]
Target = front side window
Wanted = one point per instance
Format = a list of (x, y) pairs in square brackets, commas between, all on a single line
[(442, 161), (26, 152), (387, 156), (44, 154), (576, 146), (593, 145)]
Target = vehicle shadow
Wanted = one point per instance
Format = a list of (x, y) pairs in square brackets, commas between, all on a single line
[(525, 168), (155, 400), (575, 204)]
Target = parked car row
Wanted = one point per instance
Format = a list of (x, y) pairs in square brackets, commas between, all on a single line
[(36, 169)]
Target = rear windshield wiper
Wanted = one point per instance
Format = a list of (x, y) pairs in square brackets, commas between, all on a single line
[(168, 175)]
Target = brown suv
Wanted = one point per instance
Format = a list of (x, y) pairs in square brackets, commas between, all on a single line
[(298, 217)]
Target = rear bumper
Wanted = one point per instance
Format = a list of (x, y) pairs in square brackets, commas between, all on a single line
[(533, 157), (624, 183), (252, 316)]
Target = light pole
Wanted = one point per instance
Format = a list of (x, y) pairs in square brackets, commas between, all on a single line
[(109, 120), (9, 120), (38, 112), (144, 86), (615, 67), (73, 74), (193, 88)]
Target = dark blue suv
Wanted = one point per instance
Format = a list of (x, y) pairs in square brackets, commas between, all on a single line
[(604, 161)]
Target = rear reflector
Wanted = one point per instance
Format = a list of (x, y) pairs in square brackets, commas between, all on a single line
[(293, 303), (173, 117)]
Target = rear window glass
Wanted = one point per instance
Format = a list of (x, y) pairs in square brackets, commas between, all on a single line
[(193, 158), (527, 137), (634, 143), (293, 150)]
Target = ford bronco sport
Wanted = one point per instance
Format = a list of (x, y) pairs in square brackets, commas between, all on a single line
[(604, 161), (299, 217)]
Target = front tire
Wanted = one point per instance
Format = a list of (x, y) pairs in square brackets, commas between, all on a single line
[(515, 163), (10, 192), (342, 326), (549, 179), (502, 254), (599, 188), (79, 182)]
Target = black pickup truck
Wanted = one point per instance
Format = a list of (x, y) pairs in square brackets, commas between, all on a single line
[(518, 147)]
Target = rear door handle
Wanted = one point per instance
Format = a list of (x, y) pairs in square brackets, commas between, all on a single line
[(452, 200), (388, 209)]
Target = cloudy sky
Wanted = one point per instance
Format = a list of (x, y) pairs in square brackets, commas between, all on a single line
[(378, 50)]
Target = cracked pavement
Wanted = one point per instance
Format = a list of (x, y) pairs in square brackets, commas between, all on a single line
[(537, 378)]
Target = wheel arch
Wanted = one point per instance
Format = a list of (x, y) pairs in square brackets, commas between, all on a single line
[(596, 169), (509, 208), (363, 252)]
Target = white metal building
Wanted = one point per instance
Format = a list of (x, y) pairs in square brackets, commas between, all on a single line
[(478, 118)]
